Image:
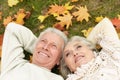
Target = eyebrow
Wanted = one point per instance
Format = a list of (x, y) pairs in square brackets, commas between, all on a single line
[(75, 45)]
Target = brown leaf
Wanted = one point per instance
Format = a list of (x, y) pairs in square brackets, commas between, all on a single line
[(59, 26)]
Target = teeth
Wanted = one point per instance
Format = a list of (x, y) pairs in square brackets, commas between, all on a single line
[(43, 54)]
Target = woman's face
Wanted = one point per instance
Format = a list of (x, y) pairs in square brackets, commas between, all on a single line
[(76, 54)]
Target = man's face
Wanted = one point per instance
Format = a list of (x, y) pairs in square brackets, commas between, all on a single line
[(48, 50)]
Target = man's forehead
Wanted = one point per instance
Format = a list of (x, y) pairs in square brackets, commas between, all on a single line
[(53, 37)]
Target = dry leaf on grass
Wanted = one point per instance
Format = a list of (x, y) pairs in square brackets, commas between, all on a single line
[(82, 14), (65, 20)]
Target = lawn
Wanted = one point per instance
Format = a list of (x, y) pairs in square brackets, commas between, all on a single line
[(96, 8)]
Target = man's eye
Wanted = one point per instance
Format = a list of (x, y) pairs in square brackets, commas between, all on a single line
[(42, 41), (54, 46)]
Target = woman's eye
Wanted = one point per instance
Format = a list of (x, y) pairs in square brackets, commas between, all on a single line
[(79, 46), (67, 54)]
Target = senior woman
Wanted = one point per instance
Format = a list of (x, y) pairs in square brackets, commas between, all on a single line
[(81, 61)]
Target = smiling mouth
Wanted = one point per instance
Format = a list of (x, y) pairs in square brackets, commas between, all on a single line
[(43, 54), (78, 58)]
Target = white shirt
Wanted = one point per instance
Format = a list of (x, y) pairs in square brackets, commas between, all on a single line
[(18, 38)]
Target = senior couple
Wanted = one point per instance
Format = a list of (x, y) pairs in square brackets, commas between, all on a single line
[(77, 57)]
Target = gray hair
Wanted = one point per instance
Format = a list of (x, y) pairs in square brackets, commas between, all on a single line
[(56, 31), (63, 67)]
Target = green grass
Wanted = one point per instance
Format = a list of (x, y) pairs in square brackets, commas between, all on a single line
[(108, 8)]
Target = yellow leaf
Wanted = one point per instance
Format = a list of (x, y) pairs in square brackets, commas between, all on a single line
[(11, 3), (82, 14), (65, 20), (20, 18), (87, 32), (68, 7), (42, 18), (41, 27), (98, 19), (119, 16)]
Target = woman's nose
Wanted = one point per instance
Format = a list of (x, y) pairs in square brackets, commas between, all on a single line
[(75, 53)]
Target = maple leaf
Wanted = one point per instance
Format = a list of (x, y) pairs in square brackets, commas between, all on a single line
[(81, 14), (20, 16), (7, 20), (87, 32), (57, 10), (11, 3), (98, 19), (65, 20), (116, 23)]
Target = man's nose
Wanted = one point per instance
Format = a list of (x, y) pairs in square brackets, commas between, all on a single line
[(46, 46)]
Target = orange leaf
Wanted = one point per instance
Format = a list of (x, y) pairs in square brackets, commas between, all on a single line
[(20, 16), (82, 14), (65, 20), (56, 9), (7, 20), (116, 23)]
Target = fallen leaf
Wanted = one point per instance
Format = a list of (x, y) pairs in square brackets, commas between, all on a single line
[(65, 20), (42, 18), (81, 14), (68, 7), (87, 32), (0, 15), (74, 0), (118, 16), (7, 20), (116, 23), (41, 27), (11, 3), (98, 19), (59, 26), (28, 13), (20, 18), (57, 10)]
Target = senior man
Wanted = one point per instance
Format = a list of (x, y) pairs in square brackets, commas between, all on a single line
[(46, 49)]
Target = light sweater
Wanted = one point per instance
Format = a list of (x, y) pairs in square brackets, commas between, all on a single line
[(106, 66), (18, 38)]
